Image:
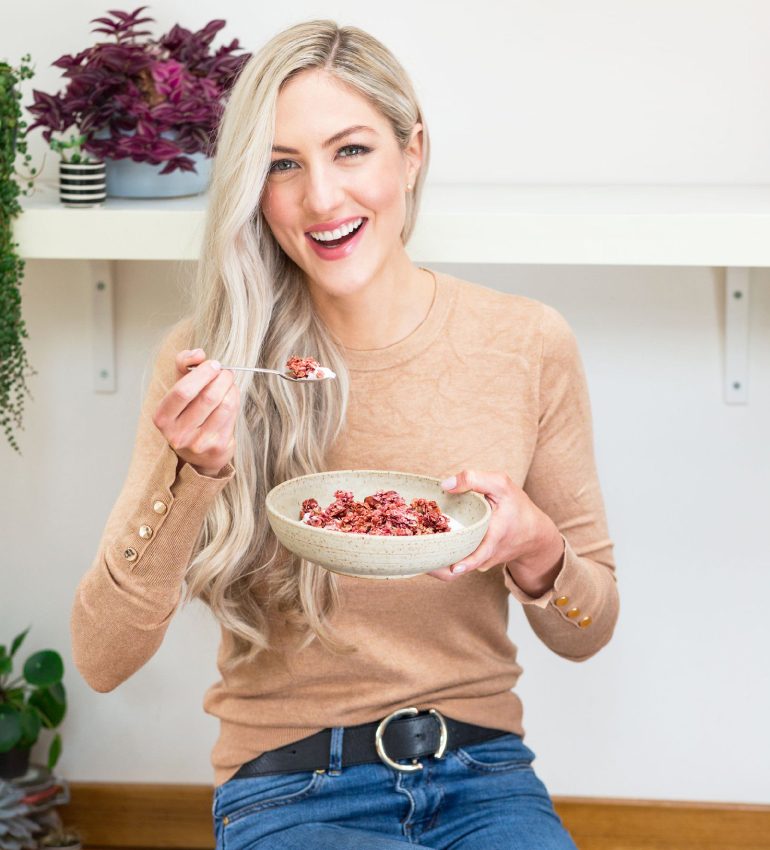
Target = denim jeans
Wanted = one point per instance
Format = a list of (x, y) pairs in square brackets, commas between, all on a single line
[(483, 796)]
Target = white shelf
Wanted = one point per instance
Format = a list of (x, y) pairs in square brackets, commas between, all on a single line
[(574, 225), (715, 225)]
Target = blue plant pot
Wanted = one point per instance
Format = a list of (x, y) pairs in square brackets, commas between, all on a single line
[(129, 179)]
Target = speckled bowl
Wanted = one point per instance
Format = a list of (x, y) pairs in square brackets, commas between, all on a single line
[(374, 555)]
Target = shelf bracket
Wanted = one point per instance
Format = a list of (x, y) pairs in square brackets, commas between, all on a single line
[(737, 335), (102, 276)]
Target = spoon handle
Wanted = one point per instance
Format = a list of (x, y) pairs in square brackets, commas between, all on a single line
[(252, 369), (246, 369)]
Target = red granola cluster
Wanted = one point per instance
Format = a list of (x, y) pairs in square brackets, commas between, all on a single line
[(384, 512), (301, 367)]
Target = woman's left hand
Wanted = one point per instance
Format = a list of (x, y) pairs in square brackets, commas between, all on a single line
[(518, 533)]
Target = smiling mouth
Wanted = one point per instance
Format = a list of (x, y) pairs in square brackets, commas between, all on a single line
[(335, 243)]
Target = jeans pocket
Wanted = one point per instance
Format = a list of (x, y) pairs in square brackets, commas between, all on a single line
[(238, 798), (508, 752)]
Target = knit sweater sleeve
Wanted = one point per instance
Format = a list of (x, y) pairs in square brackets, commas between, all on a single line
[(126, 600), (576, 617)]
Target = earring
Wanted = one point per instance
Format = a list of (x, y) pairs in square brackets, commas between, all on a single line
[(408, 187)]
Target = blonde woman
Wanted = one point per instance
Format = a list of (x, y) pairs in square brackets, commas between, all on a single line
[(321, 160)]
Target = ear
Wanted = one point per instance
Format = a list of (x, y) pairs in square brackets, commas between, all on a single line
[(413, 152)]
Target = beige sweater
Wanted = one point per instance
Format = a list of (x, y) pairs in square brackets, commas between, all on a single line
[(512, 398)]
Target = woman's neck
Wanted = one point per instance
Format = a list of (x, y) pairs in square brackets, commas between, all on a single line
[(386, 311)]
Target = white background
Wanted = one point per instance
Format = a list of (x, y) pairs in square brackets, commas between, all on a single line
[(551, 92)]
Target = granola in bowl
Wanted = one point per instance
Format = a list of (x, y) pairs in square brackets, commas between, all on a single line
[(405, 501), (384, 512)]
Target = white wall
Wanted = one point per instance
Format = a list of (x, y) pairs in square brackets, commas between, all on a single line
[(676, 706)]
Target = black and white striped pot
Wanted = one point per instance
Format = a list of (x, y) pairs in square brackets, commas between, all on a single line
[(82, 184)]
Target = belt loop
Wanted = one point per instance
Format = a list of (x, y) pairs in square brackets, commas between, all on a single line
[(335, 750)]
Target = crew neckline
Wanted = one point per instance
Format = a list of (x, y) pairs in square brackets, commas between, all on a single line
[(371, 359)]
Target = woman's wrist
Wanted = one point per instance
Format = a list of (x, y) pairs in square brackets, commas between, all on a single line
[(210, 473), (535, 574)]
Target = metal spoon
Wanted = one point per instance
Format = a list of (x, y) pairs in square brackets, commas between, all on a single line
[(274, 372)]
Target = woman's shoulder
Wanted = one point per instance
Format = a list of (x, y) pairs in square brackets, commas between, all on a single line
[(490, 307), (161, 361), (174, 338), (179, 333)]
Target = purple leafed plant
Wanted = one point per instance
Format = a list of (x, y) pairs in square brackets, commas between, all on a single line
[(153, 100)]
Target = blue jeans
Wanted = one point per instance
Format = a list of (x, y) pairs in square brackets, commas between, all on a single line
[(480, 797)]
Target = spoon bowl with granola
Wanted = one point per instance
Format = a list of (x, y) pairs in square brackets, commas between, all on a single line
[(376, 523), (299, 369)]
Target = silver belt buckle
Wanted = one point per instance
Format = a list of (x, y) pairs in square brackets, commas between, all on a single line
[(416, 765)]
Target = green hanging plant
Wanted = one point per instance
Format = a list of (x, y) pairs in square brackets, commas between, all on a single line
[(14, 368)]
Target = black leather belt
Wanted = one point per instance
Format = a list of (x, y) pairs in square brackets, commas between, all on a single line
[(404, 734)]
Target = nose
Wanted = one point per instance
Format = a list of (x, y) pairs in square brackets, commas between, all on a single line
[(324, 192)]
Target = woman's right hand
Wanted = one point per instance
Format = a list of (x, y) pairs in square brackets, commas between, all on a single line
[(197, 415)]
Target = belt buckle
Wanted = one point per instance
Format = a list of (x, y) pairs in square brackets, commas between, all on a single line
[(416, 765)]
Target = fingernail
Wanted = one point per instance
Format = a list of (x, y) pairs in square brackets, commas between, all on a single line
[(216, 365), (449, 483), (197, 352), (459, 568)]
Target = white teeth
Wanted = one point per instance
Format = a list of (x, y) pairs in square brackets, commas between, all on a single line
[(328, 235)]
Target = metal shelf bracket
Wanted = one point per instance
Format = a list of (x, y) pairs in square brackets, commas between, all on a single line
[(736, 375), (102, 276)]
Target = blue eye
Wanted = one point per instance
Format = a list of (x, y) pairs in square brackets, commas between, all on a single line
[(274, 169), (360, 148)]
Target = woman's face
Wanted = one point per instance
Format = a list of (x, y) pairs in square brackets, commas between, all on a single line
[(330, 178)]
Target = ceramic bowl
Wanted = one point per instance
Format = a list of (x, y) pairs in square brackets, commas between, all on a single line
[(374, 555)]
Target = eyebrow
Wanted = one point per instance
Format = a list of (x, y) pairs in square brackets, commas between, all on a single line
[(329, 142)]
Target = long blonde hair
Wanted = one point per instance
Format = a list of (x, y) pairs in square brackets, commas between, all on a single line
[(251, 305)]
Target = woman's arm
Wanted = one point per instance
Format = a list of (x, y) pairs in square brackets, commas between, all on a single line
[(576, 616), (124, 603)]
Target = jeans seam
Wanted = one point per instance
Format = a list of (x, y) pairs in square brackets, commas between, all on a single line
[(412, 804), (273, 803)]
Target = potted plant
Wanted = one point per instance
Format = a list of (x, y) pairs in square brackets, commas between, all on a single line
[(34, 699), (147, 106), (82, 180), (14, 368)]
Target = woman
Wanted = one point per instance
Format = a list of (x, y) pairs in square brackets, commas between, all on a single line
[(435, 375)]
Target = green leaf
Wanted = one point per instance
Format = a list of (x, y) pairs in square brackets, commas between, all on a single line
[(30, 727), (58, 694), (52, 706), (44, 668), (10, 727), (15, 697), (18, 640), (54, 751), (6, 664)]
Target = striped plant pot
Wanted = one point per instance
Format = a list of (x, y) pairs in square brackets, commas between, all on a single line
[(82, 184)]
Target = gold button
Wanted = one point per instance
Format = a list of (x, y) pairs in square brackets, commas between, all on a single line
[(586, 621), (130, 554), (562, 601), (145, 532), (159, 507), (573, 612)]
